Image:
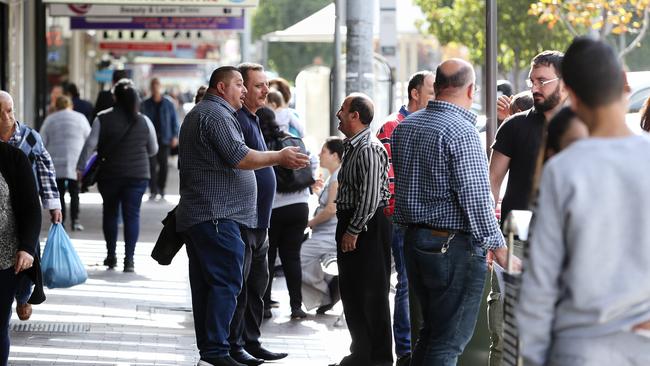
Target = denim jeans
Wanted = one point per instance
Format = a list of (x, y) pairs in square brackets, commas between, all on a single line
[(128, 193), (216, 258), (8, 279), (449, 284), (401, 321)]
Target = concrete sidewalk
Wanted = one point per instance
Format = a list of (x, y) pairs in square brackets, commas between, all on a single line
[(144, 318)]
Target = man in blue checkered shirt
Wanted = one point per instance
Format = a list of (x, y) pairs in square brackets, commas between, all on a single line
[(442, 196)]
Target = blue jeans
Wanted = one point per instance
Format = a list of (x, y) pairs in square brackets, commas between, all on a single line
[(449, 285), (401, 321), (8, 279), (128, 193), (216, 258)]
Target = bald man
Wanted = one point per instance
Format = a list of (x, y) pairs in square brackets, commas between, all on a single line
[(442, 197), (363, 236), (30, 142)]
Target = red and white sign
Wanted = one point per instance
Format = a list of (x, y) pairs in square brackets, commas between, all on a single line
[(137, 46)]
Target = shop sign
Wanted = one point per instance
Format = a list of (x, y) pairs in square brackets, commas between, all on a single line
[(225, 3), (212, 23), (137, 46)]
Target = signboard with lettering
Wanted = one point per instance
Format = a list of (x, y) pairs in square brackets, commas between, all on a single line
[(213, 23), (63, 10), (139, 46), (224, 3)]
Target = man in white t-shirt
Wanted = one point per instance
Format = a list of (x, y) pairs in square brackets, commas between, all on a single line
[(585, 297)]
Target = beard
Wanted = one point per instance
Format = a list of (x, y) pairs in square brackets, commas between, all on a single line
[(549, 102)]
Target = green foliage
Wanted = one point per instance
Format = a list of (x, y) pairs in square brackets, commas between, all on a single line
[(287, 59), (520, 36)]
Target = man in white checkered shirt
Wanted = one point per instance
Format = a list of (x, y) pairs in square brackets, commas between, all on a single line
[(442, 196)]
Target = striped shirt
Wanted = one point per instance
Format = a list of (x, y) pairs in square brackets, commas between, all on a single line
[(363, 179), (211, 145), (441, 174)]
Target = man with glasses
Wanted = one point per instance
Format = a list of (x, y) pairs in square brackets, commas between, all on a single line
[(515, 150)]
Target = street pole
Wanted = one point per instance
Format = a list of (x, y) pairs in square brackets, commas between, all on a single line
[(388, 38), (336, 67), (359, 73), (491, 75)]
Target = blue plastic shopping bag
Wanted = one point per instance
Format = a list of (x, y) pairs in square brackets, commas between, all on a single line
[(61, 265)]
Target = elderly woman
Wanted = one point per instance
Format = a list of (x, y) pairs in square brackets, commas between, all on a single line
[(20, 225)]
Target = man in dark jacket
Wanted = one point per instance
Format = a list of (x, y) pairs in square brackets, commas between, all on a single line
[(79, 105), (162, 113)]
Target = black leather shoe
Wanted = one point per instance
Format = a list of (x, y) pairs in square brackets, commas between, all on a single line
[(110, 262), (221, 361), (265, 354), (267, 314), (244, 357)]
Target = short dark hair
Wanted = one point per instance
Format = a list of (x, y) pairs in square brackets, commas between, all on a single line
[(119, 75), (592, 70), (504, 87), (200, 93), (221, 74), (247, 66), (335, 145), (360, 104), (416, 81), (71, 89), (548, 58), (521, 102), (457, 80)]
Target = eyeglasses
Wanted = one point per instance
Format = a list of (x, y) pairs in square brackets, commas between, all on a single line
[(539, 83)]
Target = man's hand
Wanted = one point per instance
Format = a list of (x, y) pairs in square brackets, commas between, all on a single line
[(56, 216), (24, 261), (500, 255), (292, 158), (348, 242), (174, 142), (503, 107)]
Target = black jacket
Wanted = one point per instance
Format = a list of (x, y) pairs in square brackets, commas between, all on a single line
[(18, 173)]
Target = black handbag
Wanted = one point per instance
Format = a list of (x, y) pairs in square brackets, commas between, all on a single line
[(91, 173), (169, 241)]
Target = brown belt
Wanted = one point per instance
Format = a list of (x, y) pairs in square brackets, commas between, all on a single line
[(443, 233)]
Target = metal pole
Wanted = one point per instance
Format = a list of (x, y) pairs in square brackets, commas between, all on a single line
[(491, 74), (359, 73), (336, 68)]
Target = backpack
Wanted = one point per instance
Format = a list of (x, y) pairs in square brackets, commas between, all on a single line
[(291, 180)]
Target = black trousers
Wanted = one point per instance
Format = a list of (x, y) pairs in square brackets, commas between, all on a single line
[(286, 234), (72, 187), (247, 319), (158, 170), (364, 280)]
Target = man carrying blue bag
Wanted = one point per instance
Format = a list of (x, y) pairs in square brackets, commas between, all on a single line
[(61, 265)]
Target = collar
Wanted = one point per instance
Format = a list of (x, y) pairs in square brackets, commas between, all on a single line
[(248, 114), (356, 139), (404, 111), (439, 105), (215, 98)]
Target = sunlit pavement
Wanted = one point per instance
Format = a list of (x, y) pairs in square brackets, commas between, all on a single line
[(144, 318)]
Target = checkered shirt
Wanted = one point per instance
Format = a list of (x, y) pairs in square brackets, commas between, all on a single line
[(43, 168), (441, 174), (211, 145)]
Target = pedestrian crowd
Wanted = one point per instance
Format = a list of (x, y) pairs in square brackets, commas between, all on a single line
[(419, 195)]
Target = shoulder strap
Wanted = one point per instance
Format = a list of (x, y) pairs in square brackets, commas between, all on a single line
[(117, 143)]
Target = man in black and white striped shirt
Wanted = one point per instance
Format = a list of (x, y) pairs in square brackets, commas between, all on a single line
[(363, 236)]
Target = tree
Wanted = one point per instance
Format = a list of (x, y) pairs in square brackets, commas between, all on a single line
[(287, 59), (602, 18), (520, 36)]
